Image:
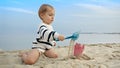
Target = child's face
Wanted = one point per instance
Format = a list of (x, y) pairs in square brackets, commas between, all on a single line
[(48, 17)]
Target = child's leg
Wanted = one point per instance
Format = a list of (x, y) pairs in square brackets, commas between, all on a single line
[(50, 53), (30, 57)]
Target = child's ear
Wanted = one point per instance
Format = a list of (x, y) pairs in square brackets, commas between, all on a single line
[(41, 16)]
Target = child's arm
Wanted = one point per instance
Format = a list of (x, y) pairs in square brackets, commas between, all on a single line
[(49, 35)]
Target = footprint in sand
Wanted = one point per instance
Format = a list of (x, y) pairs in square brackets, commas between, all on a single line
[(85, 57), (115, 55)]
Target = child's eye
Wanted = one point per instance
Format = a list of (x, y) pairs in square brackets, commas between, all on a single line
[(50, 14)]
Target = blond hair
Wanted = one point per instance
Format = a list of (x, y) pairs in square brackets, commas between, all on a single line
[(43, 9)]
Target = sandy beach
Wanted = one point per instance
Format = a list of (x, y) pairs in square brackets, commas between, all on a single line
[(94, 56)]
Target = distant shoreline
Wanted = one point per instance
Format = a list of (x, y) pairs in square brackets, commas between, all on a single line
[(97, 33)]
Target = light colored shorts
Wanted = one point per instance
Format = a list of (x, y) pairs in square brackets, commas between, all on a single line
[(41, 46)]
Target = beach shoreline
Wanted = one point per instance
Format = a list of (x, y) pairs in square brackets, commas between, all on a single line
[(102, 55)]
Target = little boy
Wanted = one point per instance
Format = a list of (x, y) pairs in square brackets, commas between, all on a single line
[(46, 37)]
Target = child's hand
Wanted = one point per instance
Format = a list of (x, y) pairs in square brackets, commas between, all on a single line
[(61, 37)]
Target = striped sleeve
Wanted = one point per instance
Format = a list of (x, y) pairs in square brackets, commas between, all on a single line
[(50, 35), (46, 34)]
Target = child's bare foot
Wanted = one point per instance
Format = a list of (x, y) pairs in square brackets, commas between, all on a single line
[(21, 54)]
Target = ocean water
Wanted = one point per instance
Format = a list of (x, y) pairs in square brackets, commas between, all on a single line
[(18, 42), (99, 38), (95, 39)]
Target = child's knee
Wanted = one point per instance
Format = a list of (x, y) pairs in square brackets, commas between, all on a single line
[(32, 57), (31, 60)]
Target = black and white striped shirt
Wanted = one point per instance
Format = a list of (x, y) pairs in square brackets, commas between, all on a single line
[(46, 34)]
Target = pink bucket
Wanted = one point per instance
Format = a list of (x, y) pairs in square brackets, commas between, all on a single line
[(78, 49)]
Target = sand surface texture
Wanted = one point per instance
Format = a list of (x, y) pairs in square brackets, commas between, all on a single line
[(94, 56)]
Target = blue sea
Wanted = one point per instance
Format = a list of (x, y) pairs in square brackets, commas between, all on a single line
[(18, 42)]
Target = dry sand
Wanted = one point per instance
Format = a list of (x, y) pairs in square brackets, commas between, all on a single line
[(94, 56)]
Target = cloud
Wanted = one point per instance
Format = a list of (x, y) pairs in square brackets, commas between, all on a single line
[(18, 10), (95, 16), (97, 8), (97, 11)]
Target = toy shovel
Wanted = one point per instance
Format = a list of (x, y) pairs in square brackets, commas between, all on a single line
[(72, 41)]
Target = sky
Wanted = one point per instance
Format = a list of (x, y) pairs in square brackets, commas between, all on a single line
[(19, 18)]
